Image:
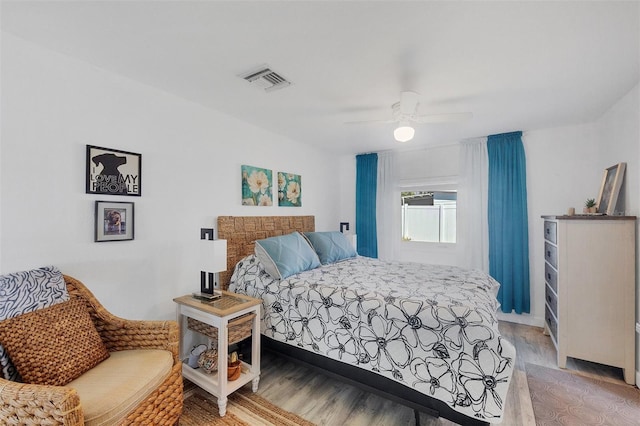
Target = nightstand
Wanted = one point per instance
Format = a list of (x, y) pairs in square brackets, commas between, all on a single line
[(200, 320)]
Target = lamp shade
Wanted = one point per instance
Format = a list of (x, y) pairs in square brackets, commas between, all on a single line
[(404, 132), (213, 255)]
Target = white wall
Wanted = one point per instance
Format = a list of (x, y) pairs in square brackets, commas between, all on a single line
[(347, 191), (53, 105)]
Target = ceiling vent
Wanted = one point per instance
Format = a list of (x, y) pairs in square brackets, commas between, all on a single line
[(266, 79)]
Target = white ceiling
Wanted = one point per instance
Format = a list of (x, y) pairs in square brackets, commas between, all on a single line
[(514, 65)]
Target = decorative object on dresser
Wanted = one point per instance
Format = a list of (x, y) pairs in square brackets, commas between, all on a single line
[(610, 189), (213, 259), (590, 289), (590, 206), (220, 322)]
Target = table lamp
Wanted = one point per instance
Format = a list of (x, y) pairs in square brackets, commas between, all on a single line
[(212, 259)]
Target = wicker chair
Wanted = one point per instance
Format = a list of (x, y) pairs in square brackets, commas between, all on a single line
[(29, 404)]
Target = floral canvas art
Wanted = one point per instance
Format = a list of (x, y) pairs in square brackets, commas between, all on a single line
[(289, 190), (256, 186)]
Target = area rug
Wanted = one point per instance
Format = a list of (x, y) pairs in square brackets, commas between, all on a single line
[(244, 408), (566, 398)]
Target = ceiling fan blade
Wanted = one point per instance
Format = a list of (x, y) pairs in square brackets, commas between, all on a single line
[(370, 122), (455, 117)]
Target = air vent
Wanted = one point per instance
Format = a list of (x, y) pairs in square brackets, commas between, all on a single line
[(266, 79)]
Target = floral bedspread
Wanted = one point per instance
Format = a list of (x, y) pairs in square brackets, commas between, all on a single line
[(430, 327)]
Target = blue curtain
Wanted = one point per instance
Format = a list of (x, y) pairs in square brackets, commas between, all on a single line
[(508, 222), (366, 188)]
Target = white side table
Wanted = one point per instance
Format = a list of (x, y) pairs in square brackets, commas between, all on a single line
[(219, 313)]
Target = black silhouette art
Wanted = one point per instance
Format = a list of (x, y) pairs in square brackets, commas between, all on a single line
[(113, 182), (113, 172)]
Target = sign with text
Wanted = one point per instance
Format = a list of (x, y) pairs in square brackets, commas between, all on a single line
[(113, 172)]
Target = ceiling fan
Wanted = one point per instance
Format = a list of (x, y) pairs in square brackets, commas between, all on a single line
[(405, 113)]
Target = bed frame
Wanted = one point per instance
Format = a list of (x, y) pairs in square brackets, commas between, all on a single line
[(241, 232)]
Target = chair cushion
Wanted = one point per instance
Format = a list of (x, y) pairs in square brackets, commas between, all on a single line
[(54, 345), (27, 291), (112, 389)]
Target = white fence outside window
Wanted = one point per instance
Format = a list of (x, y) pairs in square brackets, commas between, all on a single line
[(436, 224)]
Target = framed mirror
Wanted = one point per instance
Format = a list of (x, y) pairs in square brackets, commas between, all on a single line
[(610, 188)]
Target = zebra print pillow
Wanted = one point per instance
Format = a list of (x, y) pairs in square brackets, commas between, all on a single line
[(27, 291)]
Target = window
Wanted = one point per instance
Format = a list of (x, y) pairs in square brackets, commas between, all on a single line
[(429, 216)]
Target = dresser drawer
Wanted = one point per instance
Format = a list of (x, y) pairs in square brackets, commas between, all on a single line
[(551, 300), (551, 277), (551, 254), (552, 324), (550, 231)]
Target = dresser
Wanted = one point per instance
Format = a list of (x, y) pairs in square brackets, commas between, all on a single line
[(590, 289)]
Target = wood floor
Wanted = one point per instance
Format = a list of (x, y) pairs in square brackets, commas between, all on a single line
[(326, 401)]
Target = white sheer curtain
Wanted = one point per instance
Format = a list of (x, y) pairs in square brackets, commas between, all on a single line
[(473, 189), (386, 201)]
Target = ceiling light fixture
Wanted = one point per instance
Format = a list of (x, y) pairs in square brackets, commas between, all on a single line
[(404, 132)]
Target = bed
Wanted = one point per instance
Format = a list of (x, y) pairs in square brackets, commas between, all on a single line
[(432, 344)]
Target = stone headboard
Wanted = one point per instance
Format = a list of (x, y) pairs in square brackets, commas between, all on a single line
[(242, 231)]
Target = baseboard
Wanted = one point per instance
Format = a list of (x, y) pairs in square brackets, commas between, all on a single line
[(525, 319), (637, 355)]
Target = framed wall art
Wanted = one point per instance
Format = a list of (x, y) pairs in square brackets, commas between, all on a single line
[(113, 172), (256, 186), (610, 189), (114, 221), (289, 190)]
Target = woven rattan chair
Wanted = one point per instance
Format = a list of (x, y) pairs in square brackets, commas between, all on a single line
[(29, 404)]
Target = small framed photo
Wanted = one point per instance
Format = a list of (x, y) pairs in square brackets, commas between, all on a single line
[(114, 221), (610, 189), (113, 172)]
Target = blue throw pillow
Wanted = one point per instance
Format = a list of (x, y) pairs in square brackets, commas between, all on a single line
[(286, 255), (331, 246)]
